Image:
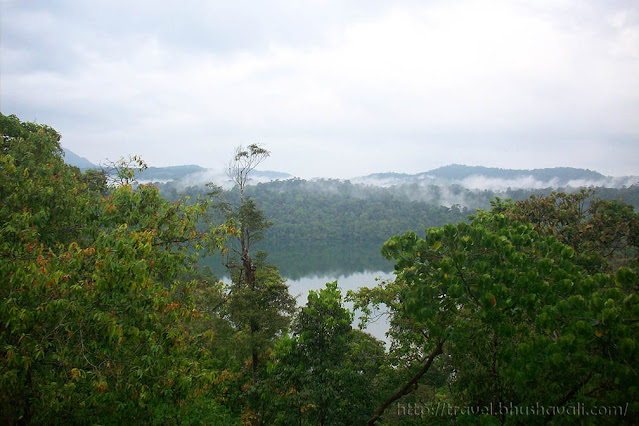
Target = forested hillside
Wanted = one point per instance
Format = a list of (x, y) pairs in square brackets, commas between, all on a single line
[(525, 312), (308, 212)]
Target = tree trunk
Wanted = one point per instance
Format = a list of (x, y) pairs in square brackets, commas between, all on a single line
[(408, 387), (568, 397)]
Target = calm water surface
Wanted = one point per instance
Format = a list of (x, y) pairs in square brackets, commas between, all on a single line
[(311, 267)]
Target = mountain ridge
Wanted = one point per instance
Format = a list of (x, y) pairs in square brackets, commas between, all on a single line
[(74, 159), (480, 177), (460, 171), (473, 177)]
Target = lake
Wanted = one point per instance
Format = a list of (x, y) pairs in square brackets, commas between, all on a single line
[(300, 287), (311, 266)]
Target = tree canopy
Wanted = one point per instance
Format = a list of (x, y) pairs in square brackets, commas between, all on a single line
[(96, 288), (517, 317), (106, 316)]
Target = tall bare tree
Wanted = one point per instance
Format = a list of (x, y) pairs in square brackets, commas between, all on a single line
[(260, 303), (252, 222)]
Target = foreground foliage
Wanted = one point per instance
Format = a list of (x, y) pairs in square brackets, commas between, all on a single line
[(96, 295), (106, 318), (516, 317), (326, 372)]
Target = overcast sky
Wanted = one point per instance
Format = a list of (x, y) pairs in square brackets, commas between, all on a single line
[(332, 88)]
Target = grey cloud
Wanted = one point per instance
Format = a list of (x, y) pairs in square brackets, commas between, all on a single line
[(357, 87), (51, 30)]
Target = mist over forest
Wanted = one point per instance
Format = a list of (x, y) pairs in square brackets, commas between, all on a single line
[(319, 212), (335, 227), (112, 297), (469, 187)]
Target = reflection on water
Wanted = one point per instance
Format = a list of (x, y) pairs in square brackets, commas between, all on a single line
[(310, 267), (316, 260), (338, 259), (300, 288)]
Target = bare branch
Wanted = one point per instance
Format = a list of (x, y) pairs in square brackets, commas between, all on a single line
[(243, 162)]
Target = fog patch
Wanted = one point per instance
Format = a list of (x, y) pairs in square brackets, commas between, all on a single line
[(500, 184), (218, 178), (482, 182), (608, 182)]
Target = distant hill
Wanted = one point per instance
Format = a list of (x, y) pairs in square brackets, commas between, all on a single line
[(196, 175), (169, 173), (389, 175), (193, 173), (270, 175), (73, 159), (459, 172), (470, 177), (478, 177)]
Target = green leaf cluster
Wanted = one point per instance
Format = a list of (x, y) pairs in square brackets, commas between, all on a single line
[(524, 318), (97, 295)]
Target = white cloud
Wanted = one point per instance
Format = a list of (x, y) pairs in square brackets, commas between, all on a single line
[(371, 88)]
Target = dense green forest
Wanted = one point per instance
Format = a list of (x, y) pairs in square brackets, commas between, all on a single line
[(525, 312), (331, 210), (334, 227), (328, 226)]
